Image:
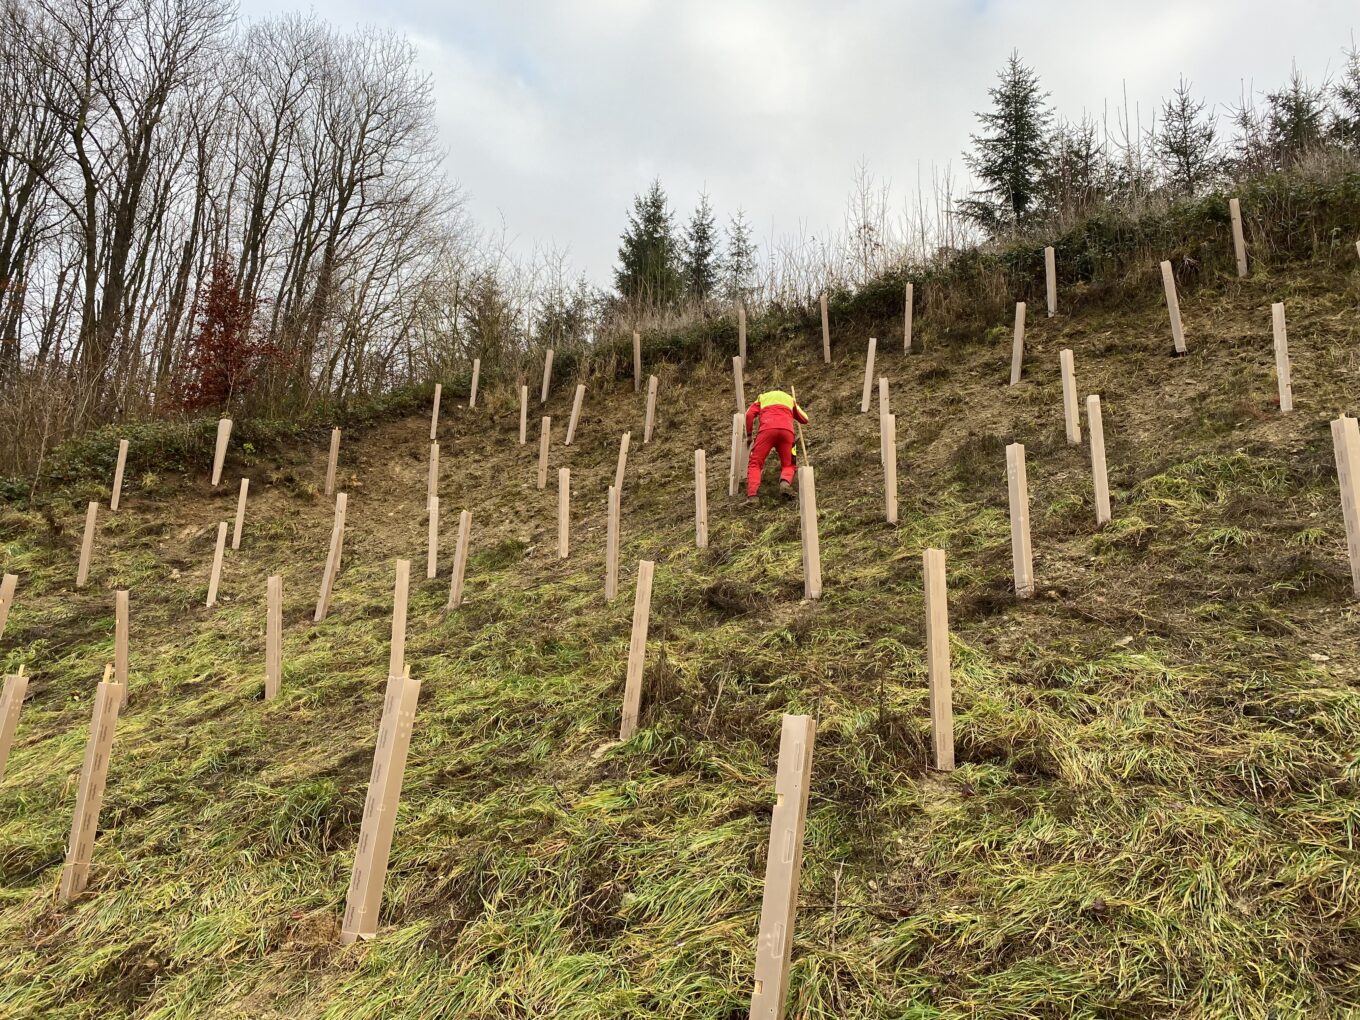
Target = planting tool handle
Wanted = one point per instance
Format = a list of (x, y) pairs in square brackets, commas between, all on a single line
[(802, 439)]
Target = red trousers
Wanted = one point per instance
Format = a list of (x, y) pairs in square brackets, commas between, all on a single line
[(767, 440)]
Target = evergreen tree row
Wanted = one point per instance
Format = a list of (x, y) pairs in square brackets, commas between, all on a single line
[(1031, 168), (661, 266)]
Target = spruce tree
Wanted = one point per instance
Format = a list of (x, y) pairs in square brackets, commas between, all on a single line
[(701, 252), (1295, 120), (1186, 146), (739, 265), (1008, 157), (648, 271)]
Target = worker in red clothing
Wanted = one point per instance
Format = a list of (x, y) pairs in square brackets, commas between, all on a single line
[(776, 412)]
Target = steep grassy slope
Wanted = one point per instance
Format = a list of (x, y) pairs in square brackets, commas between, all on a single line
[(1159, 782)]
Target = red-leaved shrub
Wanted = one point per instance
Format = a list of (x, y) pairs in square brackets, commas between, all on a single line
[(225, 358)]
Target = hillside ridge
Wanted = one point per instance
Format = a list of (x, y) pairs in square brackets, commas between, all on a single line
[(1158, 754)]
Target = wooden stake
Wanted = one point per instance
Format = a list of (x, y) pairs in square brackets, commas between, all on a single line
[(544, 437), (75, 874), (120, 642), (611, 547), (1051, 280), (868, 377), (1173, 306), (7, 586), (741, 334), (575, 412), (1018, 344), (650, 419), (739, 385), (884, 409), (1071, 415), (220, 453), (637, 650), (434, 412), (906, 318), (401, 588), (216, 576), (523, 415), (432, 483), (1282, 358), (1346, 449), (273, 637), (11, 702), (783, 867), (118, 474), (937, 660), (826, 331), (889, 450), (364, 899), (1017, 484), (637, 362), (460, 557), (240, 514), (1102, 483), (476, 377), (333, 461), (623, 462), (563, 513), (87, 545), (547, 376), (1239, 241), (323, 602), (432, 539), (736, 470), (701, 499), (812, 549)]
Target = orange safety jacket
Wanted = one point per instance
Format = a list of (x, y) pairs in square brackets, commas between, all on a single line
[(776, 410)]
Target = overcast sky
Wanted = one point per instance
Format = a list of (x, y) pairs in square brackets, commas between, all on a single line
[(555, 113)]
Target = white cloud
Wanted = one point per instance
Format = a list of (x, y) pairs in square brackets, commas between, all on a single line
[(556, 113)]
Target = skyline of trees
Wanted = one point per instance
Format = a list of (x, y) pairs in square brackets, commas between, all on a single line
[(143, 142)]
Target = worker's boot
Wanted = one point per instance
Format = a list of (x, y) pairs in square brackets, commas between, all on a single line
[(750, 501), (786, 489)]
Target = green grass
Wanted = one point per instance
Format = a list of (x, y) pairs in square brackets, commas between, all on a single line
[(1156, 807)]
